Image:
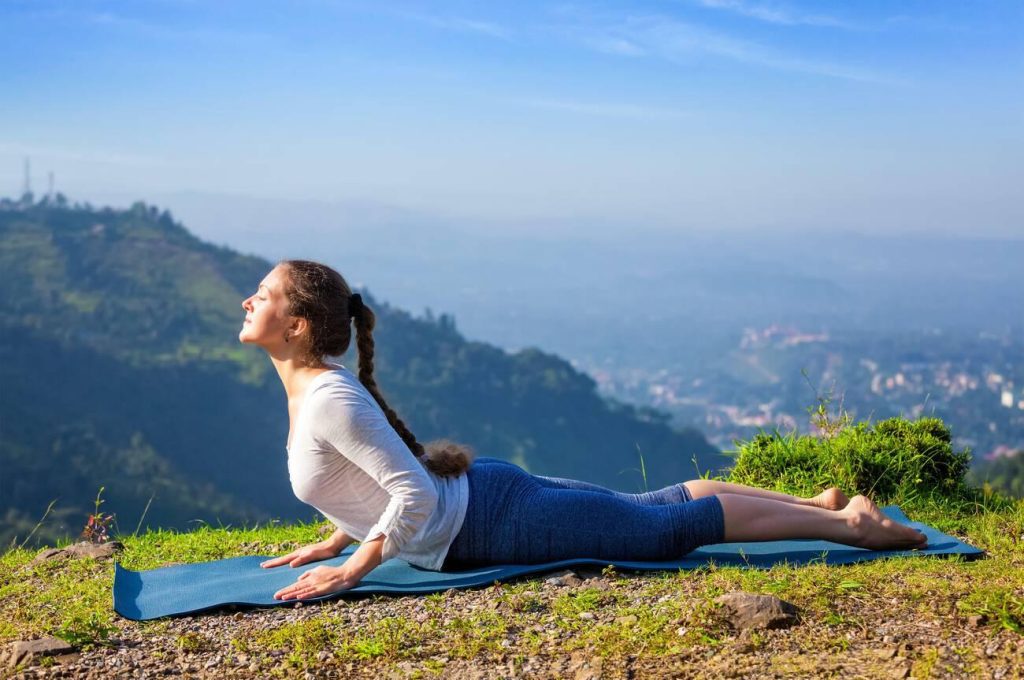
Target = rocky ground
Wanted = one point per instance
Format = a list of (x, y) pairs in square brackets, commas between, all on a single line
[(876, 638)]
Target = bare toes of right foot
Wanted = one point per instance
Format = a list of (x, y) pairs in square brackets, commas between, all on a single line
[(888, 535)]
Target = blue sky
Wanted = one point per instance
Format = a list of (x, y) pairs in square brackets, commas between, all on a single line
[(683, 114)]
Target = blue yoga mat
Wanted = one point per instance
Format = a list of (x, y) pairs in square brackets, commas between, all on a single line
[(192, 588)]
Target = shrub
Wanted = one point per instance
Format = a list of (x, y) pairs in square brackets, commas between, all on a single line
[(893, 461)]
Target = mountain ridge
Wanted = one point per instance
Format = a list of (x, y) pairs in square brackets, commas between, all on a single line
[(118, 329)]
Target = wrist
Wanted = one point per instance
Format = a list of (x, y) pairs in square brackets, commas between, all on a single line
[(336, 541), (332, 546)]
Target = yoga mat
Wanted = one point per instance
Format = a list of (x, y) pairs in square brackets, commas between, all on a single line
[(192, 588)]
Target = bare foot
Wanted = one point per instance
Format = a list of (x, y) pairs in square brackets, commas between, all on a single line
[(830, 499), (874, 531)]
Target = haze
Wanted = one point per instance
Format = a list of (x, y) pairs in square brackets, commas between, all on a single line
[(705, 115)]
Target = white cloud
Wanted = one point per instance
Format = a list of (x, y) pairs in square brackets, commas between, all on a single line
[(681, 42), (127, 24), (775, 14)]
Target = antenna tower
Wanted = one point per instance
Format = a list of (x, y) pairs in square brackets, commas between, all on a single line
[(28, 177)]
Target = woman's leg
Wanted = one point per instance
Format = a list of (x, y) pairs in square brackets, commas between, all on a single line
[(861, 523), (676, 493), (829, 499), (512, 519)]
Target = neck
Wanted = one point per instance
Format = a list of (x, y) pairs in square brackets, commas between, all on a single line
[(295, 373)]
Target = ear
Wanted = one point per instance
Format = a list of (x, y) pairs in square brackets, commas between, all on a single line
[(299, 326)]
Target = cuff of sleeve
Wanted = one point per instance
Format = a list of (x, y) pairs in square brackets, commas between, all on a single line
[(388, 549), (386, 527)]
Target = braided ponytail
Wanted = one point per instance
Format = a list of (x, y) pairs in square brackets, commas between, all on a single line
[(442, 457), (323, 297)]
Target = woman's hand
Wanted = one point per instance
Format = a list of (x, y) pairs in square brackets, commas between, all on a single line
[(323, 550), (316, 582)]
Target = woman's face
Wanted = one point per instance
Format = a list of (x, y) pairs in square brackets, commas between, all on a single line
[(266, 312)]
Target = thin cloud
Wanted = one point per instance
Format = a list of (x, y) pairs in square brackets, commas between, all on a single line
[(604, 109), (775, 14), (91, 156), (681, 42), (615, 45), (149, 29)]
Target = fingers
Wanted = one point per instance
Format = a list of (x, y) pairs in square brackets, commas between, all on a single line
[(314, 583), (299, 561), (278, 561), (298, 591)]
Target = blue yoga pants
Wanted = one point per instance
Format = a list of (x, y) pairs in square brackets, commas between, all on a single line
[(514, 517)]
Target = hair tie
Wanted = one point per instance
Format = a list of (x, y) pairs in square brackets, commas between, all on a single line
[(355, 305)]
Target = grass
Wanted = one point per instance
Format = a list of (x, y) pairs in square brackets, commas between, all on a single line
[(646, 618)]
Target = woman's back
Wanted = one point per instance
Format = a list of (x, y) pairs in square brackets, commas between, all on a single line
[(346, 460)]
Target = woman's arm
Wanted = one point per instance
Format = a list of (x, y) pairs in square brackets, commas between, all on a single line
[(324, 580), (322, 550), (359, 432), (339, 540)]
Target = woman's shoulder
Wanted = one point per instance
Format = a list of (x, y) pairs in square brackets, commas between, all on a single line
[(337, 390)]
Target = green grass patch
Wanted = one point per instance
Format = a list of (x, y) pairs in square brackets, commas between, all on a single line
[(670, 612)]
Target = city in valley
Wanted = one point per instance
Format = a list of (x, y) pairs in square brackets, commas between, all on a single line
[(774, 377)]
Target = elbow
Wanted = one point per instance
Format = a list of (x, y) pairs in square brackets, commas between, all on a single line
[(427, 503)]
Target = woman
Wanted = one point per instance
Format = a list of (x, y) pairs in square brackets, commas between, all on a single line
[(351, 457)]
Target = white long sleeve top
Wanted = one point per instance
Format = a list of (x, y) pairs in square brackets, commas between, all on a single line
[(347, 461)]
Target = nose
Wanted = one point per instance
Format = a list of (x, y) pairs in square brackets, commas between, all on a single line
[(247, 304)]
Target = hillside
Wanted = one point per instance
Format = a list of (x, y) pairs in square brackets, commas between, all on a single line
[(120, 368)]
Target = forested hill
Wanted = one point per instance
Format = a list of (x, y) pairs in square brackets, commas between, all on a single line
[(120, 367)]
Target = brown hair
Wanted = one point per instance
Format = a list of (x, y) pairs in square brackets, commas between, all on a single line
[(321, 295)]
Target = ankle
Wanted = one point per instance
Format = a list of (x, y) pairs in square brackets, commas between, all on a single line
[(857, 523)]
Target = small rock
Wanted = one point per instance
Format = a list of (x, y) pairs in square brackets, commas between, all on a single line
[(583, 668), (682, 630), (24, 651), (48, 554), (589, 616), (749, 610), (565, 578), (886, 652), (627, 620), (977, 620), (97, 551)]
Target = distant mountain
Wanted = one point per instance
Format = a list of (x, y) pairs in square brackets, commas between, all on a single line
[(120, 367)]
